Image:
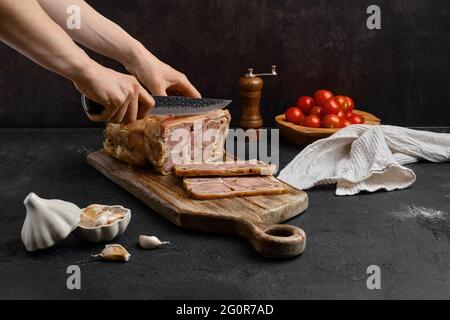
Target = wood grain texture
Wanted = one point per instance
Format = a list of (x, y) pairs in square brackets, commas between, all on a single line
[(303, 135), (254, 218), (250, 90)]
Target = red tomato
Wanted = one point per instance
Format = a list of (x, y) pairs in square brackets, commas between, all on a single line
[(348, 115), (322, 96), (350, 105), (342, 101), (330, 107), (305, 103), (294, 115), (312, 121), (356, 119), (317, 111), (331, 121), (341, 114), (345, 123)]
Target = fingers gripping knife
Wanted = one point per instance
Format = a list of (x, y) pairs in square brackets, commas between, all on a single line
[(250, 91), (172, 105)]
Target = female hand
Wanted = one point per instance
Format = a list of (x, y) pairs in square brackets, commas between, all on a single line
[(124, 99)]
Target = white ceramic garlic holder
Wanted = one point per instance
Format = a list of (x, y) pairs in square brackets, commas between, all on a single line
[(47, 221), (108, 232)]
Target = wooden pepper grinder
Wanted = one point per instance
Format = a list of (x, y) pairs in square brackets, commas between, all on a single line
[(250, 87)]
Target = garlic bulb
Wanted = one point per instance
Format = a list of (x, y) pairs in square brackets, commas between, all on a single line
[(150, 242), (114, 252), (47, 221)]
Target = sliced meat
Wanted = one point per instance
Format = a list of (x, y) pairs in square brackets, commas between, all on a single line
[(163, 141), (178, 140), (216, 188), (236, 168), (200, 180), (244, 183)]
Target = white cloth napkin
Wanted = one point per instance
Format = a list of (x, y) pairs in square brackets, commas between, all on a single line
[(365, 158)]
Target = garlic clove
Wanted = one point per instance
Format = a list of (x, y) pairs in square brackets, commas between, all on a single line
[(102, 219), (101, 215), (116, 209), (105, 222), (93, 211), (112, 217), (47, 221), (85, 221), (114, 252), (150, 242)]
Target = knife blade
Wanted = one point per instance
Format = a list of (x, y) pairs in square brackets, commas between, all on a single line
[(170, 105)]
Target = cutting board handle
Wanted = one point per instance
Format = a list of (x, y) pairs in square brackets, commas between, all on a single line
[(277, 240)]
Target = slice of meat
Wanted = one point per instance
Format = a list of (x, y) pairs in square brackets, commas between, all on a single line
[(216, 188), (245, 183), (236, 168), (163, 141)]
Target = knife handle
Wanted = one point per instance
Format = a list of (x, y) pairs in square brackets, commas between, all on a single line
[(91, 107)]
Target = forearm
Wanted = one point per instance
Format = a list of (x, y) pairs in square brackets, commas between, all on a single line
[(107, 38), (25, 26), (96, 32)]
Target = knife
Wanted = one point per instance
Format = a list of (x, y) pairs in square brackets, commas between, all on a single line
[(171, 105)]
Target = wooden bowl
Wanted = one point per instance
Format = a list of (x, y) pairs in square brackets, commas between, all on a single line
[(304, 135)]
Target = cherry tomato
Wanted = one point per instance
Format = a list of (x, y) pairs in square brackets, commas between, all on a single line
[(348, 115), (342, 101), (350, 105), (294, 115), (312, 121), (341, 114), (331, 121), (330, 107), (356, 119), (317, 111), (322, 96), (345, 123), (305, 103)]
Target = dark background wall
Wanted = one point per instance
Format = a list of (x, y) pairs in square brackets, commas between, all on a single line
[(401, 73)]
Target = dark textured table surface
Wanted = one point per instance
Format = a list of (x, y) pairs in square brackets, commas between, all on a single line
[(406, 233)]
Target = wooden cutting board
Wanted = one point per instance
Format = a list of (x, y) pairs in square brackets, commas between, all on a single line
[(255, 218)]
